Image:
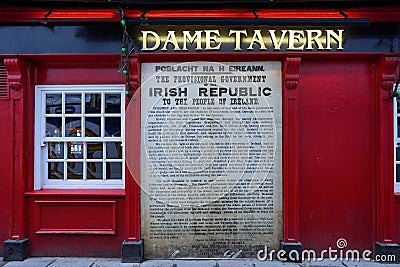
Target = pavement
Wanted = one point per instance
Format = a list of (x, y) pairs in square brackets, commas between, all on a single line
[(116, 262)]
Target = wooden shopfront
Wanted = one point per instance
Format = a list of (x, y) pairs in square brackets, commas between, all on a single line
[(187, 132)]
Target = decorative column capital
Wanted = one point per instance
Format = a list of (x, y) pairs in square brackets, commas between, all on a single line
[(291, 72), (388, 72), (134, 73), (16, 68)]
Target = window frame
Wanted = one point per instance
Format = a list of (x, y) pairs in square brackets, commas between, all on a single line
[(41, 181)]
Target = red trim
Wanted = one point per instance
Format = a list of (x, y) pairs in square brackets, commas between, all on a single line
[(132, 154), (252, 56), (385, 186), (76, 192), (91, 60), (291, 69), (66, 15), (375, 14), (17, 78)]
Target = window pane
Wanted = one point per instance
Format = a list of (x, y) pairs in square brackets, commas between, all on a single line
[(398, 104), (114, 150), (56, 170), (74, 170), (73, 103), (94, 150), (397, 173), (114, 170), (53, 127), (92, 103), (56, 150), (75, 150), (73, 127), (398, 127), (113, 103), (398, 152), (112, 126), (53, 104), (92, 127), (95, 170)]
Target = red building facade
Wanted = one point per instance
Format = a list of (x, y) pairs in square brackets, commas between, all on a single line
[(339, 125)]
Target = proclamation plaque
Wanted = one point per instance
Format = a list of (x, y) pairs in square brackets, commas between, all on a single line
[(211, 159)]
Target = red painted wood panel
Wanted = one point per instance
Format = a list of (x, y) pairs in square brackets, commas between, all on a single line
[(94, 244), (5, 170), (336, 153), (75, 217), (132, 153), (290, 138), (77, 69), (396, 215), (386, 73)]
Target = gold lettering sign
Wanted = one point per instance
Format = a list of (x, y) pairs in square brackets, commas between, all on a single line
[(243, 40)]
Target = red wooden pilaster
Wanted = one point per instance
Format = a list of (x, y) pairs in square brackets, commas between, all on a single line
[(385, 162), (17, 82), (132, 183), (291, 69)]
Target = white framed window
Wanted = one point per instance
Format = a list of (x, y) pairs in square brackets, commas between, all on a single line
[(79, 136), (396, 127)]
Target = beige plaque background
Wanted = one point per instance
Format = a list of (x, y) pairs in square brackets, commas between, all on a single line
[(211, 155)]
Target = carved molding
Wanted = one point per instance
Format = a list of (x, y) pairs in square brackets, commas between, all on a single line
[(16, 68), (291, 71), (388, 72), (134, 73)]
